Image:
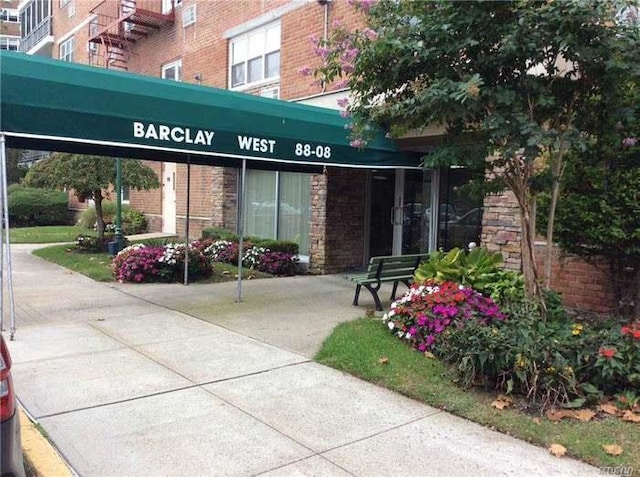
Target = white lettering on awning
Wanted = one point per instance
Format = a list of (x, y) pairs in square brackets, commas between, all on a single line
[(162, 132)]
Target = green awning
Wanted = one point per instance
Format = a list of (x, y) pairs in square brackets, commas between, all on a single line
[(54, 105)]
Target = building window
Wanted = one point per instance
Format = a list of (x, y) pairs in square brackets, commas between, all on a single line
[(9, 43), (255, 56), (125, 192), (33, 16), (273, 93), (66, 49), (9, 15), (167, 5), (278, 206), (172, 71)]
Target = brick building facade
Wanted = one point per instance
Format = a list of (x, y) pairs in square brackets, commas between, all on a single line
[(341, 216)]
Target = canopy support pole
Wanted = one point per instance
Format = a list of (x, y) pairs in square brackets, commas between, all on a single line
[(5, 228), (186, 225), (118, 235), (241, 228)]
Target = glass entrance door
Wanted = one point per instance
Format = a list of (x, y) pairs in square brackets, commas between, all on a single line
[(381, 228), (415, 230)]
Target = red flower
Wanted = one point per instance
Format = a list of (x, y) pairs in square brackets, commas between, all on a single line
[(632, 329), (607, 352)]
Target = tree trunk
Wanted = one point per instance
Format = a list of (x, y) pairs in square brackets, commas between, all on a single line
[(556, 174), (529, 265), (100, 226)]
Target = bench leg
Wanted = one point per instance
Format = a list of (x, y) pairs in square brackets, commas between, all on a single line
[(357, 295), (393, 292), (374, 294)]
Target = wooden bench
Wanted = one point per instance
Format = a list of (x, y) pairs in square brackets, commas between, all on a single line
[(392, 268)]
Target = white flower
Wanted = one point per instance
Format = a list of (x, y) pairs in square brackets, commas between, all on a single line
[(391, 325)]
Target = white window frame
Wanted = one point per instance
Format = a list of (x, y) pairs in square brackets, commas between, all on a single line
[(244, 44), (66, 52), (166, 5), (174, 65), (9, 15), (8, 41), (189, 15), (273, 93)]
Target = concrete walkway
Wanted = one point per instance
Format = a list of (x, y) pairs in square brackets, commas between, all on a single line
[(125, 385)]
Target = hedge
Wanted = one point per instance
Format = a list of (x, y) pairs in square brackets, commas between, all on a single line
[(32, 207)]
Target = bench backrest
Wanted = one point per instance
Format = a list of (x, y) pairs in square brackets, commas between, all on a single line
[(395, 265)]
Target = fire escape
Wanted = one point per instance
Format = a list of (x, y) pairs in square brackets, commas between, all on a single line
[(120, 24)]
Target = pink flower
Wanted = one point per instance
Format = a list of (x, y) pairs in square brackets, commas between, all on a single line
[(345, 114), (370, 34), (306, 71), (314, 39), (629, 141), (349, 55), (343, 102), (346, 67), (322, 52), (341, 84), (358, 142)]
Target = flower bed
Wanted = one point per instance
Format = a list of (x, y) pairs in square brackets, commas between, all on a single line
[(143, 263), (513, 350)]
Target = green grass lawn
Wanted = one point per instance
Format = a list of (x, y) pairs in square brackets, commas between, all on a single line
[(94, 265), (98, 265), (358, 346), (48, 234)]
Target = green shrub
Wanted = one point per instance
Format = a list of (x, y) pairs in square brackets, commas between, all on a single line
[(14, 187), (553, 362), (88, 218), (33, 207), (133, 221), (219, 233), (91, 243), (282, 246)]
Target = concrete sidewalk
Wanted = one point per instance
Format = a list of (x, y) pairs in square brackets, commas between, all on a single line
[(125, 385)]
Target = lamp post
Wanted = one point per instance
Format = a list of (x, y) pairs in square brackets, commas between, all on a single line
[(118, 235)]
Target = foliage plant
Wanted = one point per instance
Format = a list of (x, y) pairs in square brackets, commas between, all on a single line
[(507, 81), (91, 243), (278, 263), (428, 310), (133, 221), (598, 215), (90, 177), (34, 207), (141, 263), (551, 362)]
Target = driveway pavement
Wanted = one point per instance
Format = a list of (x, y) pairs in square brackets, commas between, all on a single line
[(124, 384)]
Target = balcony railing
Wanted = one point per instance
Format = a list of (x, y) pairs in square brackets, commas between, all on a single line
[(36, 36)]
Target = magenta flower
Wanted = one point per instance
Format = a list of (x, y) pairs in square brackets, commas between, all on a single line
[(629, 141), (342, 84), (306, 71), (343, 102), (370, 34), (358, 143)]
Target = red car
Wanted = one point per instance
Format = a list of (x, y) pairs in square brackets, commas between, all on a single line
[(11, 463)]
